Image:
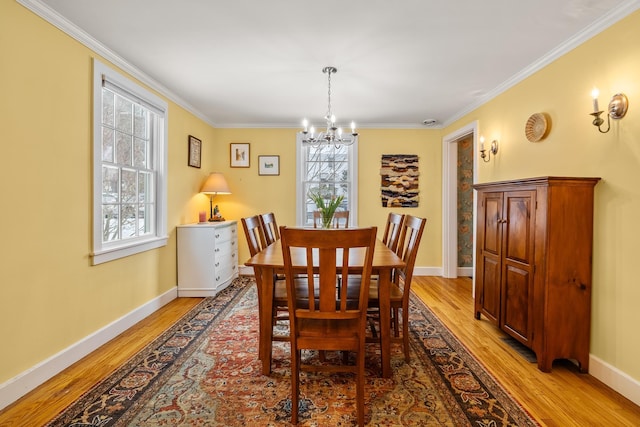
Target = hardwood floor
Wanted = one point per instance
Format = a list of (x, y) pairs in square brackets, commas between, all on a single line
[(563, 397)]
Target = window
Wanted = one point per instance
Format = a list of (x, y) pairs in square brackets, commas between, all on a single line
[(327, 169), (129, 167)]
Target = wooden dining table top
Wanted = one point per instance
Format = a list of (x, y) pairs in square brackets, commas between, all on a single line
[(271, 256)]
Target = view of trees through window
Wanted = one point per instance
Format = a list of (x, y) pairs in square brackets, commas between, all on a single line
[(127, 169), (327, 174)]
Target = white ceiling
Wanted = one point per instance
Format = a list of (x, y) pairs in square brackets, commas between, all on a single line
[(251, 63)]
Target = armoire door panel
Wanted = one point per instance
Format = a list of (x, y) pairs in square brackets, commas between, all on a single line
[(516, 296), (491, 290), (518, 226), (492, 217)]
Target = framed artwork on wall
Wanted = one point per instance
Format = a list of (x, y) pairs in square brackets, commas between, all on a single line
[(268, 165), (195, 152), (239, 155)]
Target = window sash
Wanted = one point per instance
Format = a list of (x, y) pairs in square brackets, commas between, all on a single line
[(332, 171), (130, 158)]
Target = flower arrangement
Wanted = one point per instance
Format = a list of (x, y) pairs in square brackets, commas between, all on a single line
[(327, 207)]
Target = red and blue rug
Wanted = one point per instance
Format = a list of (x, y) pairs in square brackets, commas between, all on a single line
[(204, 371)]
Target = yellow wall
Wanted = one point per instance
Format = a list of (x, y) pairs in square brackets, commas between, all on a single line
[(610, 61), (253, 193)]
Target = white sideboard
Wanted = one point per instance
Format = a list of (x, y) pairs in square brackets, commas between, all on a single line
[(207, 257)]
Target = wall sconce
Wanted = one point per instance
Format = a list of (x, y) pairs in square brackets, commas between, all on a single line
[(617, 109), (214, 185), (486, 156)]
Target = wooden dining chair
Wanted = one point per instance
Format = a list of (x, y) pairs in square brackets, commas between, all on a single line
[(341, 219), (410, 236), (271, 232), (392, 229), (254, 231), (326, 322), (256, 241)]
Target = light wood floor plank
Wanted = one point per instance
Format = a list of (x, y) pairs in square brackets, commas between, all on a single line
[(561, 398)]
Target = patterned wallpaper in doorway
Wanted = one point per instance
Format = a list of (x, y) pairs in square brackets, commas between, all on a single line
[(465, 202)]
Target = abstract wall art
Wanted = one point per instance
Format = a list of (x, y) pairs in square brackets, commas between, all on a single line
[(399, 180)]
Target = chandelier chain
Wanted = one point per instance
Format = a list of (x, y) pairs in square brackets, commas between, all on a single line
[(329, 96)]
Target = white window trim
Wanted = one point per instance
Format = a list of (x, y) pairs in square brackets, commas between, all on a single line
[(104, 252), (300, 175)]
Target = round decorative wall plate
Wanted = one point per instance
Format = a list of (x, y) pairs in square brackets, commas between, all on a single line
[(536, 127)]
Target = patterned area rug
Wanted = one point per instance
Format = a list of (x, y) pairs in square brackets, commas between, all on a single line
[(204, 371)]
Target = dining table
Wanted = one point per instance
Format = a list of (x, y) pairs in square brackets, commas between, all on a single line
[(269, 262)]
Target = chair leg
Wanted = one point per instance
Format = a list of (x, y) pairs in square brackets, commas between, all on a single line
[(405, 333), (295, 385), (360, 386), (396, 331)]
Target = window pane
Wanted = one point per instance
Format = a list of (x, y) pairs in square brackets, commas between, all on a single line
[(144, 219), (123, 149), (129, 186), (110, 223), (107, 144), (140, 153), (128, 221), (140, 122), (107, 107), (145, 189), (110, 184), (124, 115)]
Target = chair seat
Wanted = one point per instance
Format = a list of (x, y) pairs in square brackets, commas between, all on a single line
[(395, 293), (280, 291)]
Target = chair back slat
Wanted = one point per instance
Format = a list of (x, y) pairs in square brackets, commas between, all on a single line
[(410, 237), (392, 230), (255, 234), (270, 226)]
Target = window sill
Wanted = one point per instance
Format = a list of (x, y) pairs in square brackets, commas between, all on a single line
[(111, 254)]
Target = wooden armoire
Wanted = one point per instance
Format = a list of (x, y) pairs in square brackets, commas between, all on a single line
[(533, 264)]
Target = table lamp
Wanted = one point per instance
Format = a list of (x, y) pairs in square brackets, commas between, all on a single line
[(214, 185)]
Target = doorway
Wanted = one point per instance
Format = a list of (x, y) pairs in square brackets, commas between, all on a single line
[(450, 267)]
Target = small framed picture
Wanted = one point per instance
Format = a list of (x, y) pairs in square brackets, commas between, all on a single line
[(195, 152), (268, 165), (239, 155)]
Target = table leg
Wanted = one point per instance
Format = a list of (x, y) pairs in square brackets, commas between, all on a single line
[(265, 314), (384, 294)]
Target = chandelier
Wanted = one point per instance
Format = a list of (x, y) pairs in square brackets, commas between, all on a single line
[(333, 134)]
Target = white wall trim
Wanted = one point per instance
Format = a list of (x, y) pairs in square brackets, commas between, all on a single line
[(449, 196), (18, 386), (615, 378)]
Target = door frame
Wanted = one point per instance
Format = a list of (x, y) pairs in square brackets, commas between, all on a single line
[(449, 197)]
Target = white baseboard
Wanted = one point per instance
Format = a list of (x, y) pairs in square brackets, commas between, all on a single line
[(615, 378), (18, 386), (465, 272), (243, 270)]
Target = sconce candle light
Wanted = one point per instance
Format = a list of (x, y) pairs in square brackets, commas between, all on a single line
[(486, 156), (617, 109)]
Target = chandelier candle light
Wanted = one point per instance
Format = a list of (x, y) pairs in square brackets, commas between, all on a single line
[(333, 134)]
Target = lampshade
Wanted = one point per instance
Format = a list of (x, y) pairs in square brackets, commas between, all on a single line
[(215, 184)]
